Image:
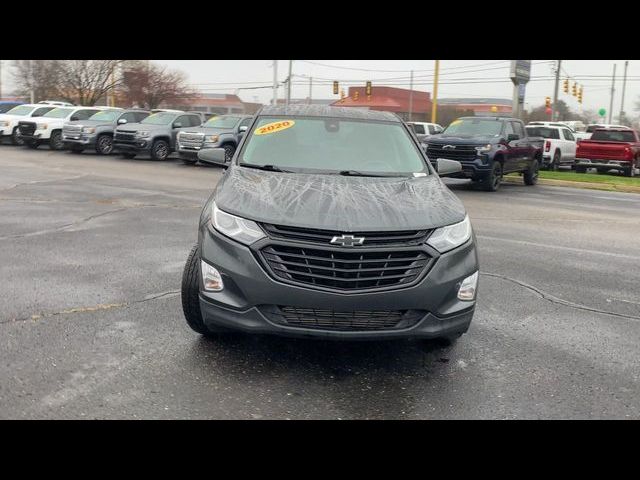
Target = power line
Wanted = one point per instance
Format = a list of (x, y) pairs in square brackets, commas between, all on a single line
[(339, 67)]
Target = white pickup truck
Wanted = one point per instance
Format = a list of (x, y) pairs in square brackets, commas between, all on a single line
[(9, 121), (48, 128), (559, 147)]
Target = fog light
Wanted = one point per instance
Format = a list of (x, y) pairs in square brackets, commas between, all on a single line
[(211, 278), (468, 286)]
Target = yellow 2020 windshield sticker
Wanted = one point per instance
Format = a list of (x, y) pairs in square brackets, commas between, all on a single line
[(274, 127)]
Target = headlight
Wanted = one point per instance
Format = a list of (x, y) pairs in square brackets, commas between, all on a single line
[(4, 124), (240, 229), (43, 126), (213, 139), (452, 236), (484, 148), (88, 130), (142, 133)]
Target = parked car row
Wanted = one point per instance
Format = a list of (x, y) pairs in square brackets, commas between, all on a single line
[(131, 132)]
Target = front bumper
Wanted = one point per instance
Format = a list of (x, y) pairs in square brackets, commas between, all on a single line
[(251, 294), (138, 145), (192, 150), (82, 139)]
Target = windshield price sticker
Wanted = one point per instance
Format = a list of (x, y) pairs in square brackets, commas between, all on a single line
[(274, 127)]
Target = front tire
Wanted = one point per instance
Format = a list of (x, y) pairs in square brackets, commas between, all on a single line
[(555, 163), (491, 183), (55, 142), (159, 150), (530, 177), (104, 144), (189, 294), (15, 139), (229, 150)]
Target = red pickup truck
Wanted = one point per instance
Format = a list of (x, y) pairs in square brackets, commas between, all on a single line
[(610, 149)]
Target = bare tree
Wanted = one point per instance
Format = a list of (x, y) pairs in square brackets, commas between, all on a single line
[(149, 85), (42, 77), (84, 82)]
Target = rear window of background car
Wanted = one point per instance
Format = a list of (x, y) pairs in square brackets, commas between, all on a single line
[(544, 132), (613, 136)]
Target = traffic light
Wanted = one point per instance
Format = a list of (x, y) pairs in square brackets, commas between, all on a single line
[(367, 89), (566, 85), (547, 102), (574, 89), (335, 88), (580, 95)]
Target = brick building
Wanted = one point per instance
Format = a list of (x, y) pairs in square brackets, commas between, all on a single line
[(390, 99)]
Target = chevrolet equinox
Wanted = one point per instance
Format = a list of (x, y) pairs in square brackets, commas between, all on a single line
[(331, 222)]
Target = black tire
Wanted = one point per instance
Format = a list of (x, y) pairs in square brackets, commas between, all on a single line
[(104, 144), (555, 163), (55, 141), (189, 293), (492, 181), (630, 172), (15, 139), (530, 176), (129, 155), (159, 150), (229, 150)]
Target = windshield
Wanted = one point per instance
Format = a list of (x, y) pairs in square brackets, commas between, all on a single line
[(613, 136), (21, 110), (544, 132), (223, 121), (474, 126), (333, 145), (58, 113), (6, 107), (106, 116), (161, 118)]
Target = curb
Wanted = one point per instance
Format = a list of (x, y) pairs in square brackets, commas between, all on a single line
[(610, 187)]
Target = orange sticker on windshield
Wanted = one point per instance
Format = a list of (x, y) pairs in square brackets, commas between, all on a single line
[(274, 127)]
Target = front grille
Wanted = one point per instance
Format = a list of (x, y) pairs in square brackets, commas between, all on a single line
[(126, 137), (324, 237), (460, 152), (191, 140), (27, 128), (73, 131), (345, 270), (357, 320)]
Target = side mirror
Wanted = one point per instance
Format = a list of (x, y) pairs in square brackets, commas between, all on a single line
[(242, 129), (513, 136), (177, 125), (74, 118), (213, 155), (122, 121), (448, 167)]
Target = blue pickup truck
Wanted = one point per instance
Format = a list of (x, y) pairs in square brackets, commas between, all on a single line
[(488, 148)]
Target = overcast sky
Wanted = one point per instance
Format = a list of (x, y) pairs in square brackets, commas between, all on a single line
[(459, 78)]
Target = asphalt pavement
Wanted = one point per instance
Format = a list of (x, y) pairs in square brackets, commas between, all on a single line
[(91, 325)]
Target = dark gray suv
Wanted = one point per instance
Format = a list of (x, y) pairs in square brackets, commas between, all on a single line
[(331, 222)]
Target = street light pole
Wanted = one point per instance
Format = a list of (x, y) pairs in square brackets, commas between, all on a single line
[(624, 86), (613, 90), (411, 96), (275, 82), (434, 102), (555, 92), (289, 84)]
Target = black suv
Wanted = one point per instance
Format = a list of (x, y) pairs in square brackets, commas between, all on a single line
[(330, 222)]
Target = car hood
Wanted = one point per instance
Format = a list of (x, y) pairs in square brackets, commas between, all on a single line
[(6, 116), (90, 123), (48, 120), (207, 130), (334, 202), (135, 127), (442, 139)]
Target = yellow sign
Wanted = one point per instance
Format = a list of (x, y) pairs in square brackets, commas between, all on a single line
[(274, 127)]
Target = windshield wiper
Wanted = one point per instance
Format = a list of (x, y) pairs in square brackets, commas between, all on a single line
[(268, 168), (356, 173)]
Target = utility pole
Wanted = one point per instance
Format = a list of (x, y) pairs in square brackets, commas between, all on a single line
[(310, 88), (32, 95), (289, 84), (613, 90), (434, 102), (555, 92), (411, 96), (624, 86), (275, 82)]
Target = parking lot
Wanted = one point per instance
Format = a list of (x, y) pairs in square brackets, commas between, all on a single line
[(91, 325)]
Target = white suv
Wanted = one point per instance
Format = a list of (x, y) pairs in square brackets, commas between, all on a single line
[(48, 128), (9, 121)]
